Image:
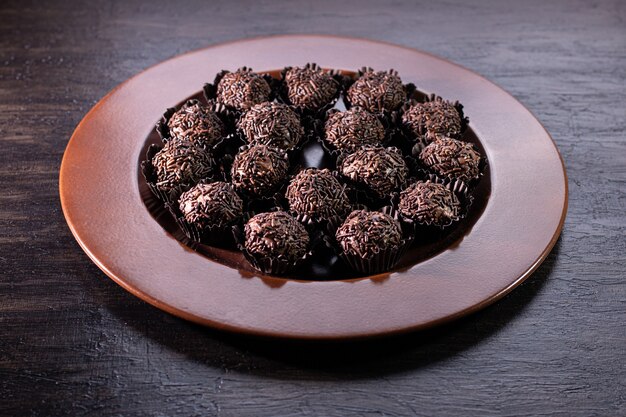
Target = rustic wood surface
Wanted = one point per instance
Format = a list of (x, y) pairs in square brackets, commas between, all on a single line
[(74, 343)]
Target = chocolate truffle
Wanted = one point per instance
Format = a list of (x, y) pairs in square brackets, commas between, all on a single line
[(377, 91), (181, 163), (381, 170), (197, 124), (451, 158), (258, 169), (353, 129), (276, 235), (429, 203), (426, 120), (316, 193), (242, 89), (366, 233), (272, 124), (211, 205), (310, 87)]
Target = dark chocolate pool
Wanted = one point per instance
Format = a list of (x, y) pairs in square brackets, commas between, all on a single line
[(325, 266)]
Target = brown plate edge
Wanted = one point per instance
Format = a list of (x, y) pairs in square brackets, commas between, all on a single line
[(271, 334)]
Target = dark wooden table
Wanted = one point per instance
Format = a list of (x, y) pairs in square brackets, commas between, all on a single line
[(74, 343)]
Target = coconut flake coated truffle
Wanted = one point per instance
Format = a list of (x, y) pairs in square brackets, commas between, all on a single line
[(259, 169), (208, 205), (382, 170), (426, 120), (272, 124), (196, 123), (181, 163), (310, 87), (452, 158), (242, 89), (317, 194), (353, 129), (276, 235), (377, 91), (429, 203), (366, 233)]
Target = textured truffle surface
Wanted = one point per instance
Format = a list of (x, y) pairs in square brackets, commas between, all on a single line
[(452, 158), (259, 169), (310, 87), (208, 205), (196, 123), (366, 233), (242, 89), (181, 163), (276, 235), (272, 124), (426, 120), (317, 193), (353, 129), (377, 91), (429, 203), (382, 170)]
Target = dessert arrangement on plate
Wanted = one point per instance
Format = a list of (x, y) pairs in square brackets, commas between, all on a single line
[(230, 169)]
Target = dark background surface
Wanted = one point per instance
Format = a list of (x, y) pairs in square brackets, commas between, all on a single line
[(74, 343)]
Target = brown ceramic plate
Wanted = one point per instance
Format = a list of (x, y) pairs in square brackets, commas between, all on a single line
[(514, 225)]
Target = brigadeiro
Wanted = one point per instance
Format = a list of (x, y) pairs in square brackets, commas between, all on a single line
[(310, 87), (426, 120), (380, 170), (272, 124), (197, 124), (316, 194), (259, 169), (352, 129), (242, 89), (429, 203), (370, 241), (211, 205), (179, 165), (452, 158), (377, 91), (275, 242)]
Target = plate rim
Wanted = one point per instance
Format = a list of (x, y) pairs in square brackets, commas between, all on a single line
[(164, 305)]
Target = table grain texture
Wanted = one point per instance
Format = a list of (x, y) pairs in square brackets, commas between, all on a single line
[(74, 343)]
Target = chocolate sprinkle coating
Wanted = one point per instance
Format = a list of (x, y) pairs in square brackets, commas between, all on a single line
[(242, 89), (310, 87), (353, 129), (317, 194), (382, 170), (272, 124), (209, 205), (452, 158), (181, 163), (366, 233), (427, 202), (426, 120), (259, 169), (276, 235), (197, 124), (377, 91)]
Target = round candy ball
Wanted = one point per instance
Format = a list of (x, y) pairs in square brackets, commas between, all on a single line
[(272, 124), (366, 233), (429, 203), (276, 235), (353, 129), (377, 91), (211, 205), (316, 193), (259, 169), (381, 170)]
